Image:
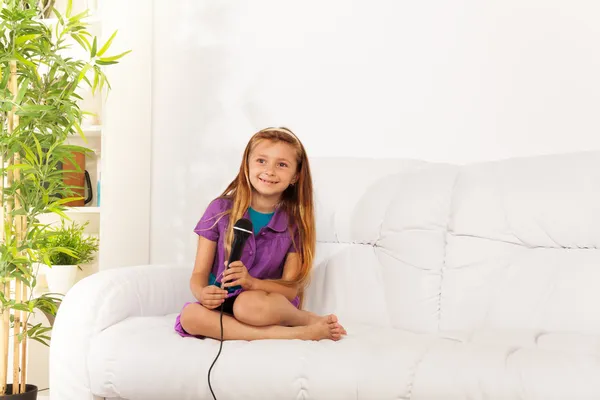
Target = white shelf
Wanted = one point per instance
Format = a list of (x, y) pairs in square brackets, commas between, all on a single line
[(92, 130), (92, 133), (82, 210), (79, 215)]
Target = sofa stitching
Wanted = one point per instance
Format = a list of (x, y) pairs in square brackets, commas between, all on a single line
[(413, 373), (443, 268)]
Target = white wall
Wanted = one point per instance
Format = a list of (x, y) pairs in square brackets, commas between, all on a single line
[(454, 81), (126, 138)]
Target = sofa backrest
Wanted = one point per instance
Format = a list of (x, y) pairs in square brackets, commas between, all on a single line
[(512, 244)]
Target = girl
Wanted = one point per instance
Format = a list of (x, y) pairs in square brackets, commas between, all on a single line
[(261, 294)]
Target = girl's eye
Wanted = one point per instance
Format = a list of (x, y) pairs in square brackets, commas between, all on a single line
[(260, 160), (282, 164)]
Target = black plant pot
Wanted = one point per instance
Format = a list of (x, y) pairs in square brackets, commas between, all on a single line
[(31, 392)]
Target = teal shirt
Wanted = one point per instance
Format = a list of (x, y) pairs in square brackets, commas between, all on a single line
[(259, 220)]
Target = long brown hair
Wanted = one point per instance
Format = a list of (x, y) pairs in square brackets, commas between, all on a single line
[(296, 201)]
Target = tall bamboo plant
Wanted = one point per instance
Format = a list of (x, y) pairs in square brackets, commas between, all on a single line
[(38, 112)]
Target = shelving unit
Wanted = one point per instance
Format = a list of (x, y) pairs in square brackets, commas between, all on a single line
[(124, 124), (38, 358)]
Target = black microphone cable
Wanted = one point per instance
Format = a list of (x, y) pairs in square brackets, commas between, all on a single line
[(218, 354)]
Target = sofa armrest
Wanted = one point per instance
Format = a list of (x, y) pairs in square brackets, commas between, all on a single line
[(100, 301)]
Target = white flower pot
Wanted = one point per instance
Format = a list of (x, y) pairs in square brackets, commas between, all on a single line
[(39, 270), (61, 278)]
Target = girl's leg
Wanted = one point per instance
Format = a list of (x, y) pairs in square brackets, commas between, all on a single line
[(198, 320), (259, 308)]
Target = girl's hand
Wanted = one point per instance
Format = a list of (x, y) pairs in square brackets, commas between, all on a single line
[(212, 296), (237, 274)]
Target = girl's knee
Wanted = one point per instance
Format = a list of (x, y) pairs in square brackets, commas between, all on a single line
[(191, 317), (250, 304)]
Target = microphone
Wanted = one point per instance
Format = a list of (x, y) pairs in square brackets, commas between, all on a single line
[(241, 232)]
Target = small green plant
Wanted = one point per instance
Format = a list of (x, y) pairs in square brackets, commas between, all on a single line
[(68, 245)]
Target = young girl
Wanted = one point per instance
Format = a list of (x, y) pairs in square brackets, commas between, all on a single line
[(261, 294)]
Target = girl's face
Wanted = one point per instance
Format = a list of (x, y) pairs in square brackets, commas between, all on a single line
[(272, 167)]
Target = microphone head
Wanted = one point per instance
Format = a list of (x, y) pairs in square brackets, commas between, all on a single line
[(242, 230), (243, 225)]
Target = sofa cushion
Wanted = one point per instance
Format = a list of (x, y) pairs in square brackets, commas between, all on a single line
[(392, 246), (523, 246)]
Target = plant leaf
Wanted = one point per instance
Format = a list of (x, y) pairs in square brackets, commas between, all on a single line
[(22, 167), (107, 44), (83, 72), (23, 60), (94, 46), (114, 58), (22, 91), (69, 8), (80, 41), (22, 39), (79, 16)]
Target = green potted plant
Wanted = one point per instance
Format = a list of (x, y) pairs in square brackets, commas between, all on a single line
[(38, 112), (68, 249)]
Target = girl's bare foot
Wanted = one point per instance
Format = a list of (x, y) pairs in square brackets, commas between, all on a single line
[(326, 327), (315, 319)]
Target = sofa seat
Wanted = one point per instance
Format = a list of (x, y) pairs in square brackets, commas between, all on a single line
[(143, 358)]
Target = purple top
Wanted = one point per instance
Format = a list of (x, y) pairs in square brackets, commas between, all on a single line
[(264, 253)]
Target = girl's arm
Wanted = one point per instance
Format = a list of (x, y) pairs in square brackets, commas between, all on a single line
[(290, 269), (205, 254)]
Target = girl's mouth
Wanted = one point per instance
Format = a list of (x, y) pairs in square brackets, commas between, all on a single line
[(266, 181)]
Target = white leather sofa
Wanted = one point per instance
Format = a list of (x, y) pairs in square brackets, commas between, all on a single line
[(454, 282)]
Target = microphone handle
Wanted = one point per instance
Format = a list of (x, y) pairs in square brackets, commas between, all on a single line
[(236, 250)]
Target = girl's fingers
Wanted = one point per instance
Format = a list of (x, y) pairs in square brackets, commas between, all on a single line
[(214, 289), (231, 277), (232, 283), (234, 264), (216, 296), (212, 303), (235, 283), (233, 270)]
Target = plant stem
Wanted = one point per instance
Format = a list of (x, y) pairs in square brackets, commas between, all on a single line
[(9, 224), (18, 236), (5, 310), (6, 329), (2, 212), (16, 347), (4, 344), (25, 318)]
